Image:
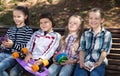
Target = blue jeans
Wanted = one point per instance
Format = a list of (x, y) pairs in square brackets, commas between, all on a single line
[(65, 70), (17, 70), (98, 71), (6, 61)]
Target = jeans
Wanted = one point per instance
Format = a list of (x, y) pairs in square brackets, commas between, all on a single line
[(65, 70), (17, 70), (6, 61), (98, 71)]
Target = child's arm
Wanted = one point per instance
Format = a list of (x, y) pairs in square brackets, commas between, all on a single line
[(82, 50), (28, 57), (106, 48)]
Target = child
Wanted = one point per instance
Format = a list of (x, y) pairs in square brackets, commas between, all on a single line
[(69, 44), (43, 42), (95, 45), (18, 36)]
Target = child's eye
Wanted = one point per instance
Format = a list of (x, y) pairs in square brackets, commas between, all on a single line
[(18, 16), (75, 23), (97, 18), (46, 22), (90, 18)]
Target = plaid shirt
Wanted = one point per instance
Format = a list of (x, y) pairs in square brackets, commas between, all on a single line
[(69, 45), (93, 44)]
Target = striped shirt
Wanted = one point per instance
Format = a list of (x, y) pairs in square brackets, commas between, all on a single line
[(43, 46), (20, 36), (93, 44)]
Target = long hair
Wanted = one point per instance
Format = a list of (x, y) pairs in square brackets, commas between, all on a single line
[(79, 33), (25, 11)]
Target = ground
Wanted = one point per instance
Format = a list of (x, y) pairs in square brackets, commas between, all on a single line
[(62, 10)]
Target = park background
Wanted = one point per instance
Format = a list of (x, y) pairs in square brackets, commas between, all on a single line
[(61, 10)]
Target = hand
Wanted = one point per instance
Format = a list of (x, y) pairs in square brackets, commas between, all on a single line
[(28, 57), (67, 62), (38, 62), (81, 64), (54, 61), (97, 64), (8, 43)]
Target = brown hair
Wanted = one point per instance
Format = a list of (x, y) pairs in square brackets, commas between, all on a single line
[(79, 33), (97, 10), (25, 11)]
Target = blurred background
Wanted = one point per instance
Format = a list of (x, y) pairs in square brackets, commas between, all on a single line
[(61, 10)]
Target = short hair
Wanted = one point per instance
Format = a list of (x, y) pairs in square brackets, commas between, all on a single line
[(47, 15), (97, 10)]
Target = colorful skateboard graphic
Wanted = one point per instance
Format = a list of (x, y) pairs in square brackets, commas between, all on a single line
[(37, 70)]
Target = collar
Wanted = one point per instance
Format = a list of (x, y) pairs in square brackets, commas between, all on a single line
[(102, 30)]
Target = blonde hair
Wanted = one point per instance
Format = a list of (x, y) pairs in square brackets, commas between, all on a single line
[(79, 33)]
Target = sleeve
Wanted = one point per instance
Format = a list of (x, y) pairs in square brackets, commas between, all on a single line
[(19, 45), (30, 42), (82, 43), (52, 48), (107, 42)]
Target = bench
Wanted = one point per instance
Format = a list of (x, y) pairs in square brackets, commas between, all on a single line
[(114, 57)]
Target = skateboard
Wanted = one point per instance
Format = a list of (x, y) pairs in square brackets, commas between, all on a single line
[(35, 69)]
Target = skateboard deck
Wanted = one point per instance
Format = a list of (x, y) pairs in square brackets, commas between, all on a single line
[(27, 67)]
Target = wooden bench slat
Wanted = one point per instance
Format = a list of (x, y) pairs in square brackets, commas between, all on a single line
[(113, 67), (113, 62), (113, 56), (112, 73), (115, 45), (116, 35), (115, 51)]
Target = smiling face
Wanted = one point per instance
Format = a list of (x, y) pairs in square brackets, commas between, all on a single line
[(45, 24), (19, 18), (74, 24), (95, 19)]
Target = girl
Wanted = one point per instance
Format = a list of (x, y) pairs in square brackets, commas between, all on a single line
[(43, 42), (95, 45), (18, 36), (69, 44)]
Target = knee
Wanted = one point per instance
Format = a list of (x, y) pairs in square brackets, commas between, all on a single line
[(13, 72), (2, 67)]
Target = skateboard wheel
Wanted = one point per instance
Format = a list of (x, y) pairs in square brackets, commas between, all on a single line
[(35, 68), (45, 62), (24, 50), (15, 55)]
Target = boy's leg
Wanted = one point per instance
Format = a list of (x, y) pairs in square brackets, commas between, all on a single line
[(66, 70), (17, 70), (54, 69), (98, 71), (3, 56), (80, 71), (5, 64)]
